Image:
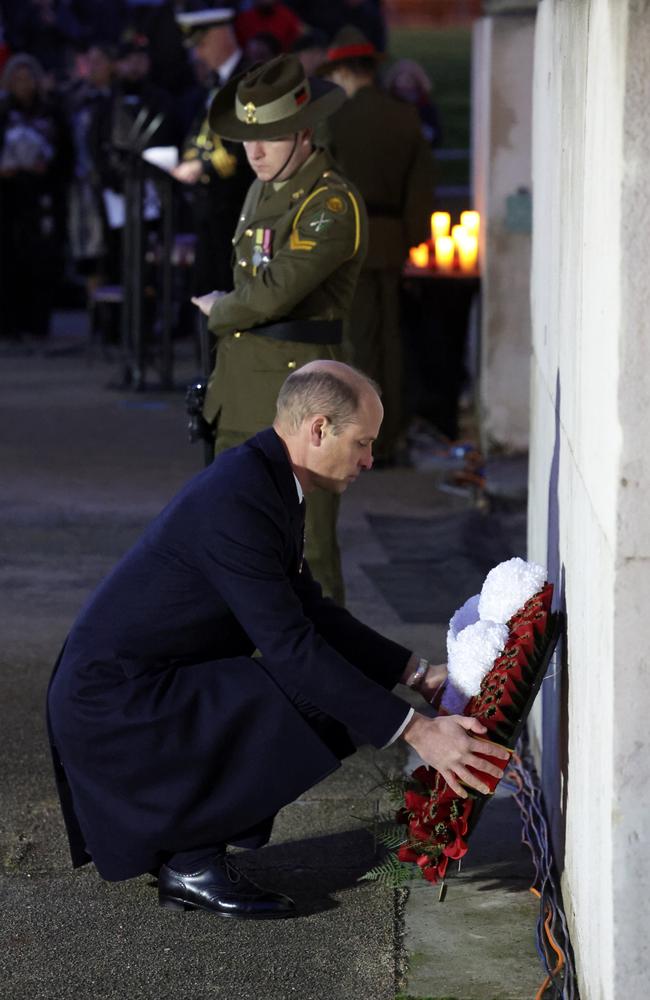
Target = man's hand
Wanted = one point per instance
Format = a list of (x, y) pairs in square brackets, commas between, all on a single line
[(189, 171), (446, 744), (205, 302)]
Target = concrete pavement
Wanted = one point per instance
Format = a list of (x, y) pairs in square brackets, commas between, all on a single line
[(83, 469)]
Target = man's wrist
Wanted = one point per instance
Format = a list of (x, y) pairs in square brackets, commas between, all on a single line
[(400, 731), (412, 728), (414, 680), (410, 666), (426, 678)]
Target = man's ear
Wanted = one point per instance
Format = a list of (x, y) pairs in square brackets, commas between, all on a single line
[(317, 430)]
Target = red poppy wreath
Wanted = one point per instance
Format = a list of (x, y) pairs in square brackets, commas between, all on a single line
[(499, 645)]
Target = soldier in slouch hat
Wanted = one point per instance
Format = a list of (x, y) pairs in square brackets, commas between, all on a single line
[(298, 249)]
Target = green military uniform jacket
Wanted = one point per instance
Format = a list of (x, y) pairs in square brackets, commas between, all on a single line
[(378, 143), (298, 252)]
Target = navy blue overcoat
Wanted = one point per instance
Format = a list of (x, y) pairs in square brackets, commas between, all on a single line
[(167, 733)]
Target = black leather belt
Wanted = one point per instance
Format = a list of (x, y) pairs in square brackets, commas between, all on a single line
[(303, 331)]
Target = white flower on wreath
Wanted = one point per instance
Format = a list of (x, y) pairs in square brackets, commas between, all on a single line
[(466, 615), (475, 650), (507, 587), (477, 631)]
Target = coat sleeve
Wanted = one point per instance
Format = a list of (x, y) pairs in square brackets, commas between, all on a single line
[(377, 657), (326, 231), (242, 556)]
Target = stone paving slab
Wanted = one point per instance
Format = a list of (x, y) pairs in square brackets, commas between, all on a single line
[(478, 944), (78, 937)]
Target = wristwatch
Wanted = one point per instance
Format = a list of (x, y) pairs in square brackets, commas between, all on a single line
[(418, 674)]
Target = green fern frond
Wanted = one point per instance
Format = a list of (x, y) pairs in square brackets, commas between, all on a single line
[(391, 836), (392, 873), (395, 788), (393, 784), (386, 819)]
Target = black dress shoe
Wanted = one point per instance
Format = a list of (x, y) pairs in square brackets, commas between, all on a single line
[(222, 889)]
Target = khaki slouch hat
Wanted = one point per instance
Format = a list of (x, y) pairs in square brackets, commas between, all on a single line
[(273, 100)]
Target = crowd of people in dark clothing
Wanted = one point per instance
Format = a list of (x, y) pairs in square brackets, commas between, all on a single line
[(72, 72)]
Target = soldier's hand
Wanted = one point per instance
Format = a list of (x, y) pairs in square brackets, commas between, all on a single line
[(205, 302), (446, 743), (189, 171)]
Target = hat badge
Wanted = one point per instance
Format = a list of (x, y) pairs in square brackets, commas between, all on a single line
[(251, 117)]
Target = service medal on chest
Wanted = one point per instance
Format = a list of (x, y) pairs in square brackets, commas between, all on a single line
[(262, 247)]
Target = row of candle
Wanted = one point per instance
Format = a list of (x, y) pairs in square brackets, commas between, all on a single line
[(462, 244)]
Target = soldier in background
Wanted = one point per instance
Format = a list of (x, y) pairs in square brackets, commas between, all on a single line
[(299, 245), (379, 145), (135, 90), (35, 167), (311, 49), (217, 171), (86, 100)]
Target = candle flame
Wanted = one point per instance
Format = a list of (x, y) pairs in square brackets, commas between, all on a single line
[(445, 250), (419, 255), (471, 220), (440, 222), (468, 253)]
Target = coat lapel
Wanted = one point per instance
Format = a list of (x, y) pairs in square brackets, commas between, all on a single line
[(268, 442)]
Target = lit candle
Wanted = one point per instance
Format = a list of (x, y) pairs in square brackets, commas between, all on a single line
[(468, 253), (445, 247), (457, 233), (440, 222), (471, 221), (419, 255)]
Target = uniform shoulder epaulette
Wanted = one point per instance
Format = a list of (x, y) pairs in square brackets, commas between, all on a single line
[(333, 199), (334, 178)]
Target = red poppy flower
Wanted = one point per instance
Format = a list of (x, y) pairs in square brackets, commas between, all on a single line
[(406, 853), (427, 775), (457, 849), (414, 802), (418, 831)]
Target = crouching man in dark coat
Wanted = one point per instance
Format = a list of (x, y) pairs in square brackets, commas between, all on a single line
[(170, 739)]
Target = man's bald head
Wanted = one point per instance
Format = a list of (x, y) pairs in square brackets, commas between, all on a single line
[(328, 388)]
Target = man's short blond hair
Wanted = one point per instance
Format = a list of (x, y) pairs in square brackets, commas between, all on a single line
[(310, 391)]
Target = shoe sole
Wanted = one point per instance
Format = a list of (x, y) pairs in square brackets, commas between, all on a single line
[(170, 903)]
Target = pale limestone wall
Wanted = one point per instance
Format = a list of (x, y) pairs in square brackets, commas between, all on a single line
[(590, 472), (501, 146)]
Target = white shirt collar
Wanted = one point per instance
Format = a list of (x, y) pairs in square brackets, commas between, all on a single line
[(298, 489), (226, 69)]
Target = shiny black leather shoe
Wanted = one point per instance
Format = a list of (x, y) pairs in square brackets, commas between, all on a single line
[(222, 889)]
